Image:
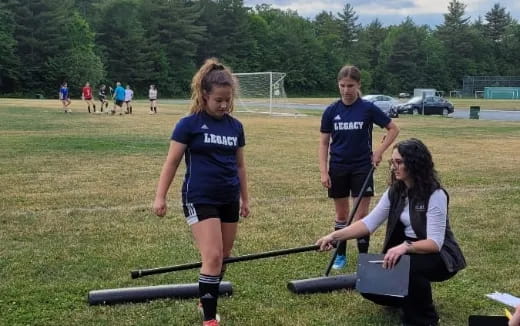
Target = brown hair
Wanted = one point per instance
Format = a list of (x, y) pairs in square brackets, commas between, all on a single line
[(212, 73), (351, 72)]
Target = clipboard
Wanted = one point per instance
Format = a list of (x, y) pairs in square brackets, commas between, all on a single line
[(477, 320), (373, 278)]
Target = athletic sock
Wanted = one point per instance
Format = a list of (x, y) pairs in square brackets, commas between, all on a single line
[(363, 244), (94, 108), (155, 109), (89, 109), (208, 294), (341, 245)]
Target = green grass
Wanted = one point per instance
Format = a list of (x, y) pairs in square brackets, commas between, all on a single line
[(75, 216)]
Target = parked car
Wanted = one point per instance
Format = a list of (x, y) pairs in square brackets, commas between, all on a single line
[(404, 95), (385, 103), (431, 105)]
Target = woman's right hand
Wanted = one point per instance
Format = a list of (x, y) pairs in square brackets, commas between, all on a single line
[(159, 207), (325, 180), (325, 242)]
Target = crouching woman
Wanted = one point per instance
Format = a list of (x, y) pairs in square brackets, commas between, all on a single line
[(415, 207)]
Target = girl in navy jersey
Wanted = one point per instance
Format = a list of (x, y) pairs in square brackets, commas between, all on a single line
[(345, 151), (214, 192)]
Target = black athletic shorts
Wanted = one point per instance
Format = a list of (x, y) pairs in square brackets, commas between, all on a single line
[(227, 213), (119, 103), (349, 184)]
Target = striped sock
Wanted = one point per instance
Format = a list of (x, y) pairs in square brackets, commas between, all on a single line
[(208, 294)]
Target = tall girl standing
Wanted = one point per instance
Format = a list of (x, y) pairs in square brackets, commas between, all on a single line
[(345, 152)]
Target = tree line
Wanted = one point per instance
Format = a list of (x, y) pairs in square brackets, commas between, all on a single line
[(162, 42)]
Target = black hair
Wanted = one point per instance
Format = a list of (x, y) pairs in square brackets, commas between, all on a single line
[(419, 165)]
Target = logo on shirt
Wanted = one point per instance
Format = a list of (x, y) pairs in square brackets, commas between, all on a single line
[(221, 140), (337, 117), (352, 125), (369, 189), (204, 127), (420, 207)]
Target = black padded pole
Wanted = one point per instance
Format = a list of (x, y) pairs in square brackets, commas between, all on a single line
[(147, 293), (351, 217), (160, 270), (323, 284)]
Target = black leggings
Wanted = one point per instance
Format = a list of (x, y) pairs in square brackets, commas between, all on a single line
[(418, 308)]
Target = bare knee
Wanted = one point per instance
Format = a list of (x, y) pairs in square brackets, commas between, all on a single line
[(212, 261)]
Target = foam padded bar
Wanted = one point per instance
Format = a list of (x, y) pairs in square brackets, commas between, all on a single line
[(147, 293), (323, 284)]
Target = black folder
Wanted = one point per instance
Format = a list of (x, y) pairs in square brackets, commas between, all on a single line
[(475, 320), (373, 278)]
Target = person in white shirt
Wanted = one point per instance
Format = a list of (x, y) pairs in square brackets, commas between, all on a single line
[(152, 95), (129, 95), (415, 207)]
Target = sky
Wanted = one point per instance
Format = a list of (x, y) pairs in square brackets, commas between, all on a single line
[(391, 12)]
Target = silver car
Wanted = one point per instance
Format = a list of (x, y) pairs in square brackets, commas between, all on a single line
[(385, 103)]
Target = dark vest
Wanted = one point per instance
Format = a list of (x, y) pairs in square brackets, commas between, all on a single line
[(450, 251)]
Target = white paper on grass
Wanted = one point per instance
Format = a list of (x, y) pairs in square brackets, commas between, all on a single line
[(504, 298)]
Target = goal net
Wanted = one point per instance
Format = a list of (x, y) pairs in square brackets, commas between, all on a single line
[(263, 92)]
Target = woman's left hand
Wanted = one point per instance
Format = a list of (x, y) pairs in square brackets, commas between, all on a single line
[(392, 256)]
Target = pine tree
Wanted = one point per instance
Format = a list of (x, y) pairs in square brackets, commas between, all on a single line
[(173, 28)]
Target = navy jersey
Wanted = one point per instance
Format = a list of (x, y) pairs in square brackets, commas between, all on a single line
[(211, 158), (350, 127)]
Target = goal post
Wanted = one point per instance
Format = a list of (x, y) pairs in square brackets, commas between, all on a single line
[(263, 92)]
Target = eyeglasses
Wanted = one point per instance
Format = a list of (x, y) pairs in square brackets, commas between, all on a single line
[(395, 163)]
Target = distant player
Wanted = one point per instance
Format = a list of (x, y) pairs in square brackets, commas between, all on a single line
[(119, 98), (129, 95), (103, 97), (86, 94), (64, 97), (152, 95)]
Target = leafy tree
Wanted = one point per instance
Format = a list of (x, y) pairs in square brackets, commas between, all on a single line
[(228, 34), (400, 58), (511, 50), (328, 31), (259, 50), (44, 31), (127, 55), (78, 63), (368, 52), (9, 62), (295, 50)]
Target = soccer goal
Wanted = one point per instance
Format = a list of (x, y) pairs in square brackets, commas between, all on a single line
[(263, 92)]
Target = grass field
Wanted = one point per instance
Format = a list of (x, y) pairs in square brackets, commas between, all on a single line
[(76, 192)]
